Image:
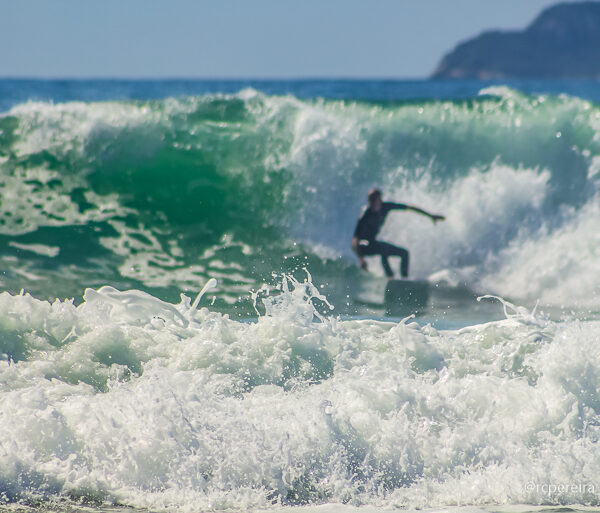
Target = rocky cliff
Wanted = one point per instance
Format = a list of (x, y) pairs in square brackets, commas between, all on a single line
[(562, 42)]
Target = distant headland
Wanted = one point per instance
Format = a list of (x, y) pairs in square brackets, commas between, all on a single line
[(562, 42)]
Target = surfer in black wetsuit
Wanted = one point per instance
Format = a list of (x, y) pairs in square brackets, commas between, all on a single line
[(368, 226)]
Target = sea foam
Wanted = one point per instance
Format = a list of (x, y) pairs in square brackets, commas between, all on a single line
[(131, 400)]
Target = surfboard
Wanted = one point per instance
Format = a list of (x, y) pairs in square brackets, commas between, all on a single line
[(398, 298), (403, 297)]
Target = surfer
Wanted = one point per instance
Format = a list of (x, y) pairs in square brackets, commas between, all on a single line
[(368, 226)]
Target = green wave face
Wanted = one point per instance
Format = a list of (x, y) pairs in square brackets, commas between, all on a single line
[(162, 195)]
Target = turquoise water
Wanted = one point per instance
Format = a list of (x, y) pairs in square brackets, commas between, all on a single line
[(288, 383), (162, 194)]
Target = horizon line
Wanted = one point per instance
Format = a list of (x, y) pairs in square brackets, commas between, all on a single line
[(215, 78)]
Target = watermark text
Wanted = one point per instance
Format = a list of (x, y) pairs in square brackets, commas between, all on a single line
[(554, 489)]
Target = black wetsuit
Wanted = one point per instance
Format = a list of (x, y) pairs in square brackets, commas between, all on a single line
[(366, 230)]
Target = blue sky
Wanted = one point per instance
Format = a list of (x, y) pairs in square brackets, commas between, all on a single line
[(243, 38)]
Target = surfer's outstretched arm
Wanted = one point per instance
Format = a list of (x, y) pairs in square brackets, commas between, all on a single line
[(434, 217)]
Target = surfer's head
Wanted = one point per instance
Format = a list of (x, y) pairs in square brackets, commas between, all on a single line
[(374, 198)]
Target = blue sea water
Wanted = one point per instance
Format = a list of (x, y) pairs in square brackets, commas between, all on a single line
[(288, 382), (15, 91)]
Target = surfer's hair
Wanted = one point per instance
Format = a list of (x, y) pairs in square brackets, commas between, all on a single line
[(373, 193)]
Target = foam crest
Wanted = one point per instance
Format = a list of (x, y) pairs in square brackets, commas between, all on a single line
[(559, 267), (133, 306)]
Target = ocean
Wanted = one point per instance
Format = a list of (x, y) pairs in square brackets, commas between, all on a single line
[(184, 327)]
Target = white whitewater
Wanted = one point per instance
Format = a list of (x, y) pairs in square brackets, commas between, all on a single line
[(131, 400)]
